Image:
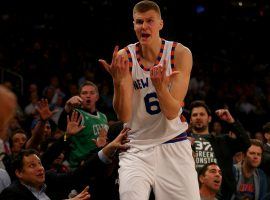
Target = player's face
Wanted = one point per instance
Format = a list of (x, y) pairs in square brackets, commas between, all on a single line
[(199, 119), (89, 96), (212, 178), (253, 156), (147, 26)]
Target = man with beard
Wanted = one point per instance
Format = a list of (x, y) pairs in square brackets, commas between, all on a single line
[(92, 122), (251, 181), (220, 149)]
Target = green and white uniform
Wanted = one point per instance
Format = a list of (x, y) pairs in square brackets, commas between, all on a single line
[(82, 142)]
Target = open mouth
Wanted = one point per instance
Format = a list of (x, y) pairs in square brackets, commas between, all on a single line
[(217, 181), (88, 101), (145, 35)]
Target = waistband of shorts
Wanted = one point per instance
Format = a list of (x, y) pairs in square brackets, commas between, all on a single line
[(178, 138)]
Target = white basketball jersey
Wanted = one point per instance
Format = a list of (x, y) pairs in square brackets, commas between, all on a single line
[(149, 126)]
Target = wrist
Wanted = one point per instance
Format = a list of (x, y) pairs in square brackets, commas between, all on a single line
[(110, 151), (66, 136)]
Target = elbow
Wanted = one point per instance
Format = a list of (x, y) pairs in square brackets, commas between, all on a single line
[(171, 116), (123, 119)]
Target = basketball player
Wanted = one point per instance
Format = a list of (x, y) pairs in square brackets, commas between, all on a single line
[(8, 102), (150, 80)]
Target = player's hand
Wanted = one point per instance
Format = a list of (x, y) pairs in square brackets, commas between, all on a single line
[(119, 67), (119, 143), (158, 75)]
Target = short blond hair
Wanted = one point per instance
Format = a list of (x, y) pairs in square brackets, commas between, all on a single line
[(144, 6)]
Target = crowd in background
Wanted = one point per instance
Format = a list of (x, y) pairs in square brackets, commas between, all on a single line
[(57, 49)]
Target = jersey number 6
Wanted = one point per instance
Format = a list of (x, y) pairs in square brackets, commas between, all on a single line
[(151, 103)]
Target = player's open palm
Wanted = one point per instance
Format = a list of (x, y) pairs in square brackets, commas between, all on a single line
[(119, 67)]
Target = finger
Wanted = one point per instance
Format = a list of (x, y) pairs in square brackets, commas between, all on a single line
[(42, 103), (104, 64), (117, 61), (153, 71), (161, 72), (79, 99), (46, 102), (81, 128), (86, 196), (68, 120), (218, 112), (125, 130), (165, 64), (86, 189), (55, 111), (123, 146), (122, 62), (75, 119), (79, 119), (115, 51), (72, 116), (125, 141)]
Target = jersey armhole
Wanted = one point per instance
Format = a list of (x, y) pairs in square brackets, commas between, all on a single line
[(172, 55), (129, 58)]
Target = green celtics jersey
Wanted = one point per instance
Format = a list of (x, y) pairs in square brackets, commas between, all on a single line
[(82, 142)]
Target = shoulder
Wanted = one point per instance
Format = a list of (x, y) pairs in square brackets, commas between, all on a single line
[(182, 50), (3, 172), (15, 191), (102, 114), (260, 172), (183, 57)]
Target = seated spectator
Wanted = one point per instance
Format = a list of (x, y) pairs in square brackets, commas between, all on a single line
[(4, 179), (35, 183), (265, 165), (17, 142), (210, 179), (251, 181)]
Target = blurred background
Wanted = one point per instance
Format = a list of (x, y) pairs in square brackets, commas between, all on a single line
[(47, 48)]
